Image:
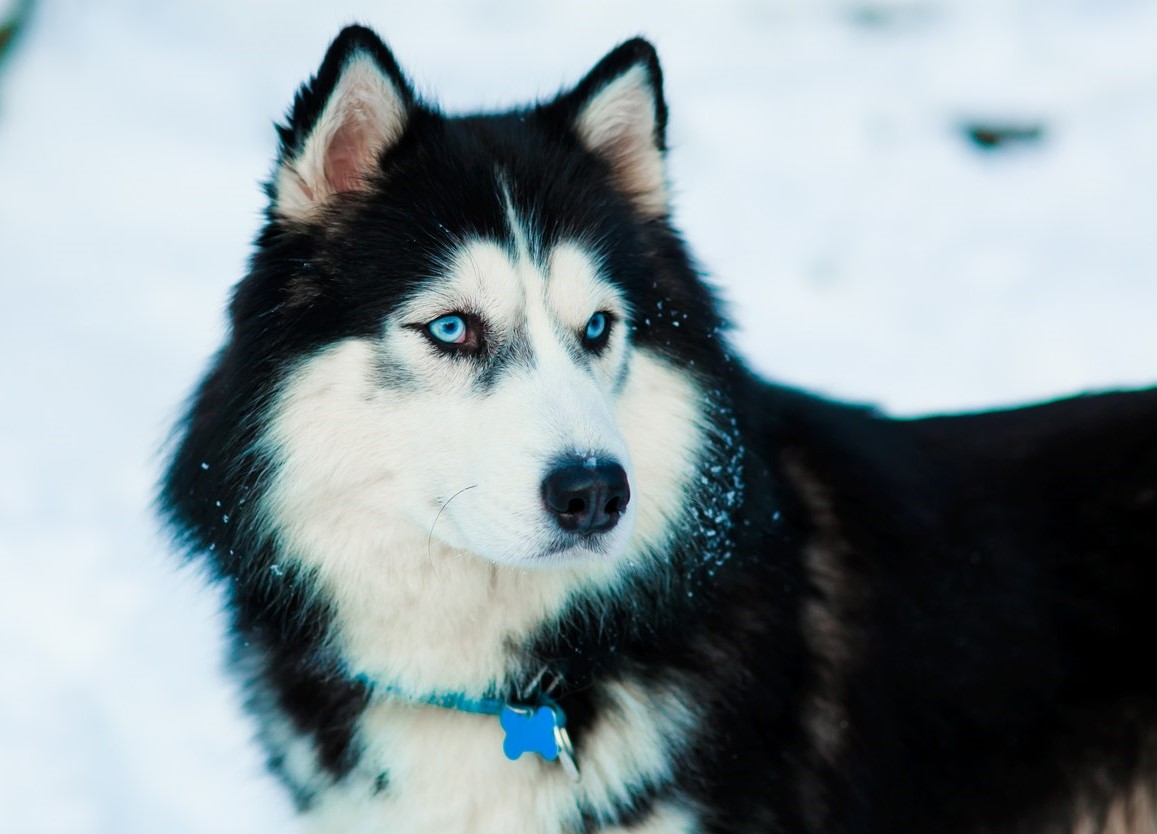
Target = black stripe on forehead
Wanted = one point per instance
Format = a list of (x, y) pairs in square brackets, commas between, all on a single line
[(546, 219), (546, 181)]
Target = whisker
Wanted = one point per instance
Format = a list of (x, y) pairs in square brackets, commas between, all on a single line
[(445, 504)]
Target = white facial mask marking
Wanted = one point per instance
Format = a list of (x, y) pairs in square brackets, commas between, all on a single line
[(364, 473)]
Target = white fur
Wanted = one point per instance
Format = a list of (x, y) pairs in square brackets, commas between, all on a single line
[(667, 818), (297, 754), (636, 738), (661, 414), (364, 115), (619, 124), (356, 467), (447, 774)]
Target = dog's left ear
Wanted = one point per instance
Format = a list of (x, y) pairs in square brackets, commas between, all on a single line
[(618, 113)]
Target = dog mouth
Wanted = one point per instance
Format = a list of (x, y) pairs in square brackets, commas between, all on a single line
[(578, 547), (562, 548)]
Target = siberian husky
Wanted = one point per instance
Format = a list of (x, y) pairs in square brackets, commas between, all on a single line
[(515, 544)]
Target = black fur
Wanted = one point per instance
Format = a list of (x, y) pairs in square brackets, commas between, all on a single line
[(938, 625)]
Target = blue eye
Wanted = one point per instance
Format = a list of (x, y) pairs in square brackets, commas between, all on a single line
[(596, 328), (450, 330)]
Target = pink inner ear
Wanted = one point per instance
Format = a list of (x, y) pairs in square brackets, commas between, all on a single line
[(349, 156)]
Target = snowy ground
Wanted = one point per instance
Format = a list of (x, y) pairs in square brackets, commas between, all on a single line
[(869, 250)]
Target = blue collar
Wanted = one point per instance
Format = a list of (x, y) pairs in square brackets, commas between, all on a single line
[(446, 700), (530, 728)]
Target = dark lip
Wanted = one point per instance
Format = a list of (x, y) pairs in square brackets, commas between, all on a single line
[(596, 545)]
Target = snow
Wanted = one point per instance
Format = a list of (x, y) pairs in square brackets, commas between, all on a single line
[(821, 174)]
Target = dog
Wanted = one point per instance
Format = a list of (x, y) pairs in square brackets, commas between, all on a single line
[(513, 542)]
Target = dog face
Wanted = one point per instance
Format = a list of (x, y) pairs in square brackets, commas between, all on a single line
[(467, 305), (484, 412), (509, 372)]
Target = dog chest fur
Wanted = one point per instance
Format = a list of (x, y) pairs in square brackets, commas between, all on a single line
[(442, 773)]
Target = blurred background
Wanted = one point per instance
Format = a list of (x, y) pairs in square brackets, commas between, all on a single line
[(925, 204)]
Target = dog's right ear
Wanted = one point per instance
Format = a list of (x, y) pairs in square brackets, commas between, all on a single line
[(342, 121)]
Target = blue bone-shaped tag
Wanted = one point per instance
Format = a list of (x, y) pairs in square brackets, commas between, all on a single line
[(529, 730)]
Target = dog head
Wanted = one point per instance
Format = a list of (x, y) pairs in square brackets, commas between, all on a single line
[(476, 331)]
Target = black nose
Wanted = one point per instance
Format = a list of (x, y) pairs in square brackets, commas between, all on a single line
[(586, 498)]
